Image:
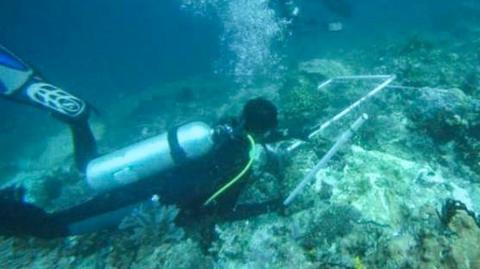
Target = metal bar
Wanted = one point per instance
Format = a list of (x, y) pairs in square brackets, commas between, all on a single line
[(325, 83), (363, 77), (415, 88), (352, 106), (347, 110), (344, 138)]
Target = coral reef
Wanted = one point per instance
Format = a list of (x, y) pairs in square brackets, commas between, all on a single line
[(301, 103), (449, 116), (324, 68), (259, 243), (152, 223), (404, 195)]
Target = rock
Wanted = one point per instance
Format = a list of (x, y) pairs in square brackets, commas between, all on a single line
[(386, 188), (466, 238), (183, 255), (445, 114), (324, 67), (456, 250), (449, 116), (258, 243)]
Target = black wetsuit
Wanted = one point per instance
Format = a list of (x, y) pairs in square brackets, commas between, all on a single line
[(188, 186)]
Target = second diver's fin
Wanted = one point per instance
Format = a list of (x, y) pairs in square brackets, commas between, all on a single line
[(23, 219), (14, 73)]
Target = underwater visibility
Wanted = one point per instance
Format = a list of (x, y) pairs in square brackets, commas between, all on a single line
[(225, 134)]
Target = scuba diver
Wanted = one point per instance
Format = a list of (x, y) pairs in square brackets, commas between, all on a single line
[(200, 169), (20, 83), (308, 15)]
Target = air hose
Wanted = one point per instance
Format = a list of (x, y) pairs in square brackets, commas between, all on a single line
[(251, 156)]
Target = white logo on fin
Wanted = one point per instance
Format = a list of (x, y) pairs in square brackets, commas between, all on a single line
[(55, 98)]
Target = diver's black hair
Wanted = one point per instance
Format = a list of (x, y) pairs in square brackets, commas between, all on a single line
[(259, 116)]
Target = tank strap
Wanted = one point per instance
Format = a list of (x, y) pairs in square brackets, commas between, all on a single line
[(176, 151)]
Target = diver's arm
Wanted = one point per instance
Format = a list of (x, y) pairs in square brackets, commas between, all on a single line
[(20, 83)]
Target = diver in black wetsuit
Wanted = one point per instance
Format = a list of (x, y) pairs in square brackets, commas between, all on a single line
[(306, 14), (20, 83), (198, 168)]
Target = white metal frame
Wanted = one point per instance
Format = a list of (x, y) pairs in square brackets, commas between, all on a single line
[(344, 138), (386, 80)]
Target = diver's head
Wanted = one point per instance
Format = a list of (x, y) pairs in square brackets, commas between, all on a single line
[(259, 116)]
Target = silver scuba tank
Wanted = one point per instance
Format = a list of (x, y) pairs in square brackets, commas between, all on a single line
[(150, 157)]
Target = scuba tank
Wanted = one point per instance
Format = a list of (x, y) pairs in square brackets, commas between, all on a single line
[(151, 156)]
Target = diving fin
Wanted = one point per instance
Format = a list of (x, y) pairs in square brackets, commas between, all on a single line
[(22, 219), (14, 73)]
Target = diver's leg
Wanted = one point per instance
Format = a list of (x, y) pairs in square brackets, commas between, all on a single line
[(84, 144), (67, 108), (20, 218), (20, 83), (105, 210)]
